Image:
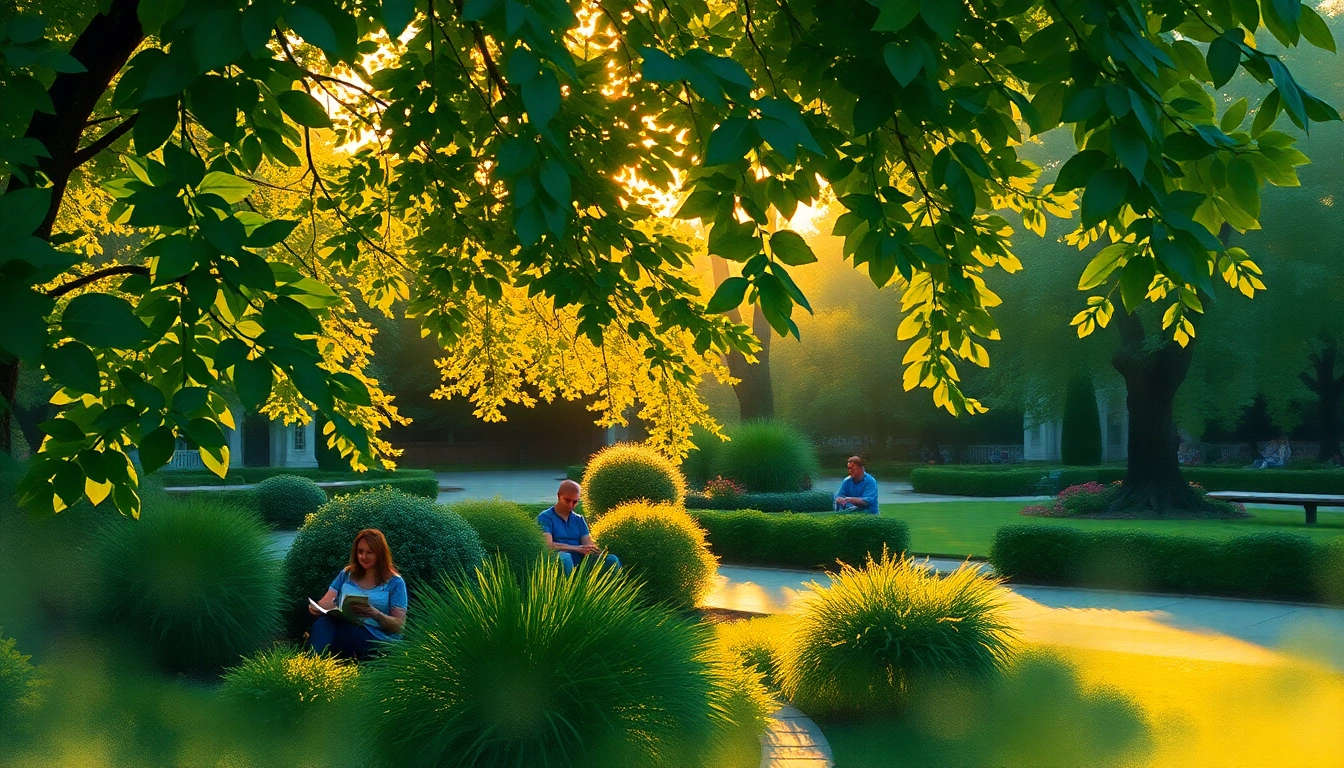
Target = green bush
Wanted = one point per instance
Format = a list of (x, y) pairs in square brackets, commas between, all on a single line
[(428, 542), (801, 540), (1014, 481), (575, 472), (20, 683), (797, 501), (629, 472), (757, 644), (1264, 565), (702, 463), (289, 682), (768, 457), (663, 548), (285, 500), (1080, 438), (506, 529), (864, 642), (192, 583), (553, 671)]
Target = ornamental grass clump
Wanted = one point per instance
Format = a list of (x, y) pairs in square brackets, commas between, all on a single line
[(863, 643), (629, 472), (768, 457), (505, 528), (663, 548), (20, 683), (289, 682), (191, 582), (285, 500), (553, 670)]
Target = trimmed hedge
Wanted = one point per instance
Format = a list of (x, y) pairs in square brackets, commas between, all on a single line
[(506, 529), (807, 541), (799, 501), (254, 475), (1021, 481), (627, 472), (285, 500), (1264, 565), (663, 548)]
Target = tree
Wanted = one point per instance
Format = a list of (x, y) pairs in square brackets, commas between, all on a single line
[(495, 153), (1080, 441)]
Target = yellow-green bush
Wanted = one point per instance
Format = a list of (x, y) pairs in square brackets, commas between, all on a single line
[(288, 682), (663, 547), (757, 644), (629, 472)]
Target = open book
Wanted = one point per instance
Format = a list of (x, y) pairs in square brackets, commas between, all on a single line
[(343, 611)]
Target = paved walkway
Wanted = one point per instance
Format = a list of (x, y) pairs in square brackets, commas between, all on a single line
[(792, 740), (525, 486)]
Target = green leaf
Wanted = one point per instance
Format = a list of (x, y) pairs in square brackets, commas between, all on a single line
[(903, 61), (253, 380), (1247, 13), (1079, 169), (271, 233), (1288, 92), (59, 61), (1103, 196), (205, 433), (1223, 58), (189, 399), (730, 141), (790, 247), (397, 15), (214, 105), (115, 418), (541, 99), (22, 211), (1243, 186), (1266, 114), (156, 448), (896, 15), (1234, 115), (313, 27), (103, 321), (1315, 30), (872, 111), (658, 67), (155, 122), (72, 365), (177, 257), (531, 224), (733, 241), (64, 430), (25, 325), (356, 393), (1131, 148), (943, 17), (153, 13), (555, 180), (303, 109), (1101, 266), (232, 188)]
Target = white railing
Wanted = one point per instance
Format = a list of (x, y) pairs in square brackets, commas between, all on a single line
[(185, 458)]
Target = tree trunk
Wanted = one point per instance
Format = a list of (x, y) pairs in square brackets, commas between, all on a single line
[(755, 393), (1329, 391)]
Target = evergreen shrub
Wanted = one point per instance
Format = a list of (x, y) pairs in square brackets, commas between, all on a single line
[(702, 463), (285, 500), (1021, 480), (663, 548), (629, 472), (866, 641), (796, 501), (800, 540), (1080, 437), (288, 682), (768, 456), (556, 670), (757, 644), (192, 583), (505, 528)]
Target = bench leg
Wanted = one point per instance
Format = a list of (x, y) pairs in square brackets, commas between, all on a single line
[(1311, 514)]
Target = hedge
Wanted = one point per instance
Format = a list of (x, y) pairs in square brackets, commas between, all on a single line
[(1021, 481), (254, 475), (798, 501), (426, 486), (1261, 565), (801, 540)]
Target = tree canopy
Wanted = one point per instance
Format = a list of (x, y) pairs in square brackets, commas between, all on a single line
[(504, 169)]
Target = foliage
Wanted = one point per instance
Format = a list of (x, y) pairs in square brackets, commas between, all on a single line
[(506, 530), (757, 643), (797, 501), (1080, 441), (575, 472), (866, 641), (1021, 481), (800, 540), (701, 463), (192, 583), (254, 475), (290, 682), (285, 500), (629, 472), (429, 542), (663, 548), (1077, 501), (555, 671), (721, 490), (1261, 565), (768, 457), (20, 683)]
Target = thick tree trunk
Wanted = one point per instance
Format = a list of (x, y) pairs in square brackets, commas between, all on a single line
[(755, 393), (1329, 391)]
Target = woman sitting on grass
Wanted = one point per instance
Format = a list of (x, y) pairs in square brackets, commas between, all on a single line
[(371, 596)]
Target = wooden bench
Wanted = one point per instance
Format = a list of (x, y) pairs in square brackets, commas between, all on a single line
[(1309, 501)]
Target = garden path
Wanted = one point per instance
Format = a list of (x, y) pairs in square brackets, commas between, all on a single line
[(792, 740)]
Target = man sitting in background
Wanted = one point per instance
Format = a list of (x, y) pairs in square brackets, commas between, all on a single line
[(566, 531), (858, 492)]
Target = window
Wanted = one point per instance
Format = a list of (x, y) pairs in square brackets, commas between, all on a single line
[(300, 437)]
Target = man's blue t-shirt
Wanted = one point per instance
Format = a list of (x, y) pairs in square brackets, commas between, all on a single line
[(865, 489), (569, 531)]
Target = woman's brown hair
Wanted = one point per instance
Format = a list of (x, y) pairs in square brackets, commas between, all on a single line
[(378, 543)]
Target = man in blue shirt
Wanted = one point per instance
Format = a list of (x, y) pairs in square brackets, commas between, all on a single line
[(858, 492), (566, 532)]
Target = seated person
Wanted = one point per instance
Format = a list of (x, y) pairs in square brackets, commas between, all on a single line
[(858, 492), (371, 574), (566, 531)]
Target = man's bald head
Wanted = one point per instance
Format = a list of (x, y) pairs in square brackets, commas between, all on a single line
[(568, 485), (567, 497)]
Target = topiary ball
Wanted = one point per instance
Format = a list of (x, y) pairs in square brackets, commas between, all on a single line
[(629, 472), (428, 542), (192, 582), (768, 457), (662, 547), (506, 529), (862, 643), (285, 500), (289, 682)]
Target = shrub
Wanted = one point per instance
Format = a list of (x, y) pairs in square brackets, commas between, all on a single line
[(1278, 565), (701, 464), (721, 490), (574, 472), (629, 472), (193, 583), (20, 682), (506, 529), (664, 548), (802, 540), (287, 681), (285, 500), (1080, 438), (428, 542), (552, 671), (768, 457), (863, 642), (1089, 498), (1013, 481), (426, 487), (797, 501), (757, 644)]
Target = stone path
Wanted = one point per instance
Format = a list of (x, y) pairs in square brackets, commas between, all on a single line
[(525, 486), (793, 741)]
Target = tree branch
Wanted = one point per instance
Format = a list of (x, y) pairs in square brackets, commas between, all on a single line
[(93, 277), (103, 142)]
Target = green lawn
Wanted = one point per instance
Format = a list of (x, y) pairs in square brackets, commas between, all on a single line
[(967, 527)]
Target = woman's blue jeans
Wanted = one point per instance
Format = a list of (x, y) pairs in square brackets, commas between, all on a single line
[(341, 638)]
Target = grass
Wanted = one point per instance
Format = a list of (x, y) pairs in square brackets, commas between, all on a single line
[(964, 528)]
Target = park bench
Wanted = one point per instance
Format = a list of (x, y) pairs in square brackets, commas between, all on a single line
[(1049, 484), (1309, 501)]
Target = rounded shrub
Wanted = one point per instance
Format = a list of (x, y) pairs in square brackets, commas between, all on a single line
[(286, 681), (505, 528), (191, 582), (862, 643), (664, 548), (285, 500), (428, 542), (549, 670), (768, 457), (629, 472), (1080, 437)]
